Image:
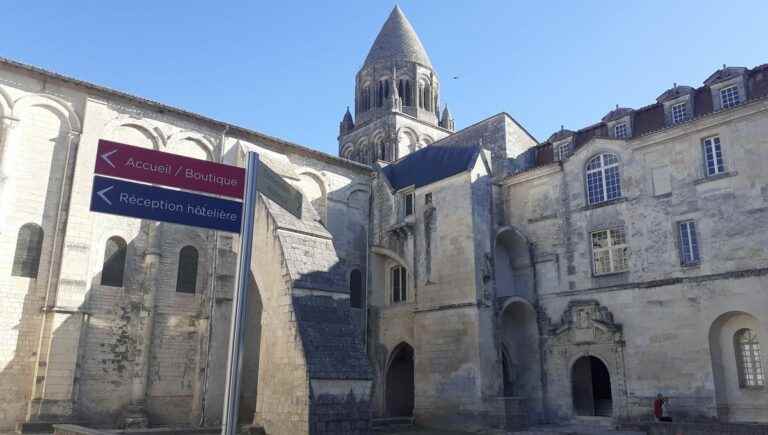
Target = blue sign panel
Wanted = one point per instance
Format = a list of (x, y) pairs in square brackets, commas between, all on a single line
[(155, 203)]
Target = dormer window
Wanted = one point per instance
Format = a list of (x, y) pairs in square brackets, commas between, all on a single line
[(729, 97), (620, 130), (562, 151), (679, 113)]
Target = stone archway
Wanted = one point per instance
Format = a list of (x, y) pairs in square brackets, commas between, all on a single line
[(400, 383), (591, 387)]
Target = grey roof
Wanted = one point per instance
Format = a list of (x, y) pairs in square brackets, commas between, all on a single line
[(725, 73), (397, 41), (617, 113), (560, 134), (674, 92), (430, 164)]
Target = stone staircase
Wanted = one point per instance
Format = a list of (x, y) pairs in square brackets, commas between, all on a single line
[(580, 426), (389, 424)]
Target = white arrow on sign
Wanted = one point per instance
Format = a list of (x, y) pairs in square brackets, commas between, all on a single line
[(106, 156), (103, 191)]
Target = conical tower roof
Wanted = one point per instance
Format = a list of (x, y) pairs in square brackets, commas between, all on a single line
[(397, 41)]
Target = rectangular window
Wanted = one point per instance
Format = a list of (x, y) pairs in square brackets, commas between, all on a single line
[(562, 151), (620, 131), (713, 156), (729, 97), (398, 284), (610, 252), (679, 113), (408, 203), (689, 243)]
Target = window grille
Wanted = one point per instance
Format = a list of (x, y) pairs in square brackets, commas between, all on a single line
[(603, 182), (713, 156), (729, 97), (689, 244), (620, 131), (610, 252), (399, 284), (747, 349), (679, 113)]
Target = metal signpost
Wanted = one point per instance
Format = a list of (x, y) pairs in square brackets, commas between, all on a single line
[(113, 196)]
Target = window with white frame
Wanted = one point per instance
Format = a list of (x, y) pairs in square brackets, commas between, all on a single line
[(603, 182), (398, 284), (679, 113), (562, 151), (729, 97), (713, 156), (620, 130), (610, 253), (689, 243), (747, 350)]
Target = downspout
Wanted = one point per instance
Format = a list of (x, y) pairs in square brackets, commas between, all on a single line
[(212, 300), (368, 236)]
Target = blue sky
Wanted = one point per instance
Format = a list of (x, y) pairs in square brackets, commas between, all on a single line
[(287, 68)]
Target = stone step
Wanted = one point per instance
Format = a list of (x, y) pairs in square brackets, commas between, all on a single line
[(392, 422), (576, 429)]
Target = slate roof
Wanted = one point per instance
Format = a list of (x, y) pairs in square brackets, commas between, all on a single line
[(397, 41), (651, 118), (430, 164), (331, 334)]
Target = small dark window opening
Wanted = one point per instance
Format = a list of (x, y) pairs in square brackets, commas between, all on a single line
[(29, 246), (428, 198), (356, 289), (408, 204), (114, 262), (399, 284), (186, 280)]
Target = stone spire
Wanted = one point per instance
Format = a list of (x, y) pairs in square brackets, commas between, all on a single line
[(446, 120), (397, 41), (347, 124)]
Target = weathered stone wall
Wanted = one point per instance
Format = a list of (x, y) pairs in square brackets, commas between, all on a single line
[(666, 311)]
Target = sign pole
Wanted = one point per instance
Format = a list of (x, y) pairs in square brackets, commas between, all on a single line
[(240, 300)]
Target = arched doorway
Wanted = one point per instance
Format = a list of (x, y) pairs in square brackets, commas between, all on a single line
[(591, 384), (513, 270), (400, 388)]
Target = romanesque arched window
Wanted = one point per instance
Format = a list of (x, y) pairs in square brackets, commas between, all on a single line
[(380, 94), (29, 246), (114, 262), (747, 349), (186, 278), (404, 89), (603, 180), (356, 289)]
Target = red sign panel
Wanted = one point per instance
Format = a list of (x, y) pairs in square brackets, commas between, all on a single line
[(133, 163)]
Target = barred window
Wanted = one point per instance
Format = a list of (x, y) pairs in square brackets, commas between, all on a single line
[(610, 252), (399, 284), (356, 289), (713, 156), (689, 244), (679, 113), (747, 349), (620, 131), (29, 246), (603, 183), (729, 97), (186, 279), (114, 262), (562, 151)]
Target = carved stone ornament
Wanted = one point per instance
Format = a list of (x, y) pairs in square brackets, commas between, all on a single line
[(586, 322)]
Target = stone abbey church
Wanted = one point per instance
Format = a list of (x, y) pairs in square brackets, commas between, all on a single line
[(467, 278)]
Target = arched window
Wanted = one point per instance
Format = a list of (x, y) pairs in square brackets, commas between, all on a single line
[(404, 89), (114, 262), (603, 181), (186, 279), (398, 284), (380, 94), (356, 289), (29, 246), (750, 367)]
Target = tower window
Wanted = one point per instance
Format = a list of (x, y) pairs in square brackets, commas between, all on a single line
[(562, 151), (603, 182), (399, 284), (713, 156), (114, 262), (747, 349), (610, 252), (729, 97), (356, 289), (186, 278), (689, 244), (679, 113), (29, 246), (620, 131)]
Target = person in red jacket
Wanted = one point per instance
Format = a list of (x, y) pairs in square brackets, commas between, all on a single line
[(658, 408)]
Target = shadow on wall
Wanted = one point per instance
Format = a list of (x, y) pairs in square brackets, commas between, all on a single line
[(89, 357)]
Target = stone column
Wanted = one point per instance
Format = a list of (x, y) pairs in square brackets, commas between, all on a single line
[(143, 310)]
